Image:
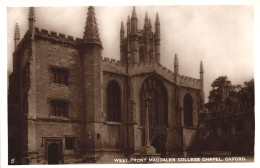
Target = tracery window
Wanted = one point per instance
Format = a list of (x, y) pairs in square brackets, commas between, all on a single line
[(158, 104)]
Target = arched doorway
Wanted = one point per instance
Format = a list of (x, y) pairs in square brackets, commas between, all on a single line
[(187, 104), (157, 110), (53, 153)]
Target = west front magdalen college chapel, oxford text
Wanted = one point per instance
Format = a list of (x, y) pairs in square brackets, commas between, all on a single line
[(68, 104)]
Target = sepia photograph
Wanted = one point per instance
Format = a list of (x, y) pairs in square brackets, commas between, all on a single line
[(130, 84)]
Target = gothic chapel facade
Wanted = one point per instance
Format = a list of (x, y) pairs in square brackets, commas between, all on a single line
[(68, 104)]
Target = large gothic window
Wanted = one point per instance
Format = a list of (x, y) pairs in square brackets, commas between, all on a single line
[(158, 104), (141, 53), (187, 104), (113, 102)]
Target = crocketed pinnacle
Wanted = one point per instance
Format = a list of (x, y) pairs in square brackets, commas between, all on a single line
[(149, 24), (201, 67), (157, 21), (128, 20), (134, 17), (176, 62), (122, 30), (128, 25), (91, 34), (146, 18), (31, 15), (17, 32)]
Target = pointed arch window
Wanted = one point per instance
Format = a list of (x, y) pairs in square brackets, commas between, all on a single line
[(113, 102), (158, 105), (187, 104)]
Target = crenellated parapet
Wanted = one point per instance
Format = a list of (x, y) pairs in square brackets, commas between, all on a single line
[(188, 82), (145, 67), (56, 37), (112, 65), (113, 61)]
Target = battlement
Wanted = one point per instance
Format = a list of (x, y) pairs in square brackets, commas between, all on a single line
[(166, 70), (116, 66), (188, 82), (113, 61), (57, 36), (112, 65), (189, 79)]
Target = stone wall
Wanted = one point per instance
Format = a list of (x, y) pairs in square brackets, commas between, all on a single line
[(43, 124)]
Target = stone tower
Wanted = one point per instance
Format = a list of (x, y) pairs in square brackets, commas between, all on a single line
[(144, 44), (92, 81)]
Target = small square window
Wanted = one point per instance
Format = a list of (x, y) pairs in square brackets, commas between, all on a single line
[(59, 75), (70, 143), (59, 108)]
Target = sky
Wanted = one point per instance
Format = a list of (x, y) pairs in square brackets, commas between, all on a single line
[(220, 36)]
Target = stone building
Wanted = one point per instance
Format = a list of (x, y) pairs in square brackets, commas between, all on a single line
[(229, 125), (71, 105)]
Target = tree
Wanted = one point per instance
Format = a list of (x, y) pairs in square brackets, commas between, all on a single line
[(240, 93), (247, 92), (216, 93)]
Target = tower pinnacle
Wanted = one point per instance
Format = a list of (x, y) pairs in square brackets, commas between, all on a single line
[(16, 35), (176, 61), (122, 27), (157, 27), (146, 22), (134, 17), (157, 22), (32, 20), (157, 38), (91, 34), (17, 32), (201, 67), (31, 15), (146, 18), (176, 64), (149, 25), (134, 23), (128, 25), (122, 36)]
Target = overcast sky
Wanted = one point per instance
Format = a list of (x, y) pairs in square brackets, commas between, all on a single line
[(220, 36)]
